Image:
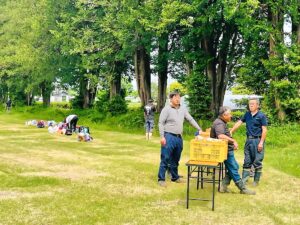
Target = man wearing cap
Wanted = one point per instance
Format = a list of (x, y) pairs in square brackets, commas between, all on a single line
[(220, 130), (170, 128), (256, 126), (149, 111)]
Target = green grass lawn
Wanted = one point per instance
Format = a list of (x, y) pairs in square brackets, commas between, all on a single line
[(53, 179)]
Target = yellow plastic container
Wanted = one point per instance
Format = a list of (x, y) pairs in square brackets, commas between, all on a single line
[(205, 134), (208, 150)]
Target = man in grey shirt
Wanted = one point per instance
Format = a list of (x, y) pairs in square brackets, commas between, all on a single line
[(170, 128)]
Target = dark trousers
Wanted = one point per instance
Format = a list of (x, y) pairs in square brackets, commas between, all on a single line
[(73, 123), (170, 157), (252, 155)]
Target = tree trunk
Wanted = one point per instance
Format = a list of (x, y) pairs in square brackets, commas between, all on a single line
[(115, 83), (298, 34), (84, 93), (142, 73), (217, 70), (274, 19), (29, 98), (162, 71), (46, 92)]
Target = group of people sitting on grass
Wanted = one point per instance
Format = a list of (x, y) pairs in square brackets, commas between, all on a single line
[(67, 127)]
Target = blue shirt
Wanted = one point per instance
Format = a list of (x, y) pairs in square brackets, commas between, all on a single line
[(254, 123)]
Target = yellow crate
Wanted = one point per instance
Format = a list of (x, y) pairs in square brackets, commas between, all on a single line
[(205, 134), (209, 150), (208, 130)]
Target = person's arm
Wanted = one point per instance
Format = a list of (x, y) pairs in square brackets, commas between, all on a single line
[(191, 120), (236, 126), (262, 139), (161, 125), (230, 140)]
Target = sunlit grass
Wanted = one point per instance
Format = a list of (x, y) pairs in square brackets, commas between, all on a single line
[(53, 179)]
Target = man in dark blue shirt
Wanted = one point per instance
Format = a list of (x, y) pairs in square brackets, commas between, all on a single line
[(256, 125)]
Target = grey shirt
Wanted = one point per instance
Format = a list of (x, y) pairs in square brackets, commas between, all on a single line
[(220, 127), (171, 120)]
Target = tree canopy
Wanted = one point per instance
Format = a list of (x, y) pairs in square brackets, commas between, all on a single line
[(207, 45)]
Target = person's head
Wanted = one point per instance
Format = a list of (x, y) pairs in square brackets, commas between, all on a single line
[(253, 104), (150, 101), (175, 98), (225, 113)]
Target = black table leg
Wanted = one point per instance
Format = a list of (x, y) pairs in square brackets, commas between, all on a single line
[(188, 188), (213, 197)]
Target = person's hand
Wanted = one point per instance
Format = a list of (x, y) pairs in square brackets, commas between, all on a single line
[(163, 141), (260, 146), (235, 145)]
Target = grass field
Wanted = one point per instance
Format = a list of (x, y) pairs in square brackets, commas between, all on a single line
[(53, 179)]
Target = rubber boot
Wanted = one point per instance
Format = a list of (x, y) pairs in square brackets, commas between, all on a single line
[(224, 184), (243, 189), (257, 177), (252, 171), (245, 175)]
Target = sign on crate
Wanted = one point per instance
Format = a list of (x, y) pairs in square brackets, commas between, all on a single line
[(208, 150)]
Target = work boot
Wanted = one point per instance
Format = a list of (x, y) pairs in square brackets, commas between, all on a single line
[(162, 183), (179, 180), (245, 175), (243, 189), (252, 171), (257, 177), (224, 184)]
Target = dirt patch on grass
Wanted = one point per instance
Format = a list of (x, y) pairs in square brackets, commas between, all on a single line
[(131, 191), (4, 195), (68, 172)]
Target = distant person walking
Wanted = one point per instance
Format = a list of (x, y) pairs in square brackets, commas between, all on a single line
[(256, 126), (170, 128), (149, 111), (71, 121), (8, 105)]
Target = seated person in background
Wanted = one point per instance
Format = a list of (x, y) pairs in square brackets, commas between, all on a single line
[(220, 130), (71, 121)]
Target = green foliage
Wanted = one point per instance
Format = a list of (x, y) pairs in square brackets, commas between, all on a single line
[(236, 115), (77, 102), (288, 95), (240, 89), (102, 101), (117, 105), (199, 96), (179, 87), (84, 45)]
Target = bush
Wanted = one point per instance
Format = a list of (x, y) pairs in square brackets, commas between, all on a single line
[(117, 105), (199, 96), (236, 115)]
